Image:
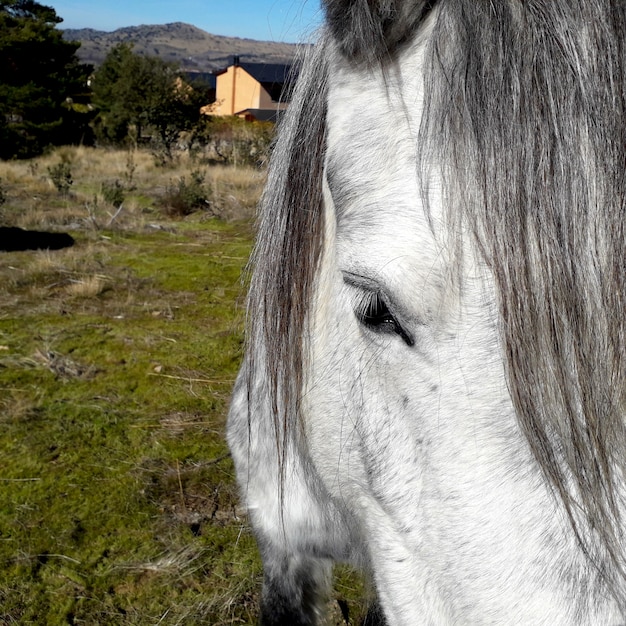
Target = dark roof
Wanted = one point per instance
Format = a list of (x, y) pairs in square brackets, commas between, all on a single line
[(268, 72), (262, 115)]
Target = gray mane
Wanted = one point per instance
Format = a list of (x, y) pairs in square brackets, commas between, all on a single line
[(525, 114), (288, 245)]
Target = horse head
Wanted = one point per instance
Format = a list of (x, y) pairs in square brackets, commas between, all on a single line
[(433, 383)]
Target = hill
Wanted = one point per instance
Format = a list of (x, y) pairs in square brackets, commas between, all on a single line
[(193, 48)]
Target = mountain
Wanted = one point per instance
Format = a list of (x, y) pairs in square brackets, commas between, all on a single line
[(194, 49)]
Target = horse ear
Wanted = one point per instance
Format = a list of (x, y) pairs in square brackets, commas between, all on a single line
[(368, 30)]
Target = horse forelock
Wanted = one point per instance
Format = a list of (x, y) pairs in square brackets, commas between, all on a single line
[(525, 112), (372, 31)]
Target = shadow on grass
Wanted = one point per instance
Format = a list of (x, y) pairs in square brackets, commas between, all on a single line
[(13, 239)]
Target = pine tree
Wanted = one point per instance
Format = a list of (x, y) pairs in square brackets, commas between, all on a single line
[(40, 76)]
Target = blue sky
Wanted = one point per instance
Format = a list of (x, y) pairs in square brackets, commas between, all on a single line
[(269, 20)]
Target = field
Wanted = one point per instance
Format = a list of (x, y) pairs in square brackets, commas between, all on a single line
[(117, 355)]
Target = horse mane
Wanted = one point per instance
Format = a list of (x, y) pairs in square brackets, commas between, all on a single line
[(526, 109), (525, 115), (288, 246)]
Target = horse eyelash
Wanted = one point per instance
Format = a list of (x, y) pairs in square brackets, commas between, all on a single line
[(373, 312)]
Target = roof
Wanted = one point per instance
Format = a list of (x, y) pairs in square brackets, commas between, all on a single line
[(262, 115), (268, 72)]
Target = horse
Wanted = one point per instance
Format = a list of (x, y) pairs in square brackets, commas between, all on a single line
[(432, 388)]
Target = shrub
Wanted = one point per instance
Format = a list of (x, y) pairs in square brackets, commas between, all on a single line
[(113, 192), (233, 141), (183, 198), (61, 176)]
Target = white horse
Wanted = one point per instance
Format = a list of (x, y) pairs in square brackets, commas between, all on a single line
[(433, 386)]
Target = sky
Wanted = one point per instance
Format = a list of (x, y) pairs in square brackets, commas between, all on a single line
[(291, 21)]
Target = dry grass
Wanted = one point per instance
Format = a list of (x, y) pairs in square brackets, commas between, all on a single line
[(44, 281), (238, 189), (33, 202), (87, 287)]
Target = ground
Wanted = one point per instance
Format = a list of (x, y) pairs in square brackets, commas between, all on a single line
[(118, 503)]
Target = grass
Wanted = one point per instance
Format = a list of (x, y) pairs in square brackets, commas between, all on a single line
[(33, 201), (118, 503), (117, 498)]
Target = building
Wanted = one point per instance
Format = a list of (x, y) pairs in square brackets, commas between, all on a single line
[(254, 91)]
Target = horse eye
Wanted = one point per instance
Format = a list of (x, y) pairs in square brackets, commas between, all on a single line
[(375, 315)]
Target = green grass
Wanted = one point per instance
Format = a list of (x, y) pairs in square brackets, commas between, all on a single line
[(117, 498), (118, 502)]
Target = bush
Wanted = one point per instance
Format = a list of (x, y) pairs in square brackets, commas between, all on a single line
[(183, 198), (113, 192), (143, 98), (233, 141), (61, 176)]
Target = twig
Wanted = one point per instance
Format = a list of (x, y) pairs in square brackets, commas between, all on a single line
[(116, 214), (180, 486), (194, 380), (58, 556)]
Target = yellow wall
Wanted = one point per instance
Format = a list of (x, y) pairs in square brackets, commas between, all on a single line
[(248, 93)]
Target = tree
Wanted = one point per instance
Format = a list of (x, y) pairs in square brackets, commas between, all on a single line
[(117, 94), (134, 93), (40, 76)]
